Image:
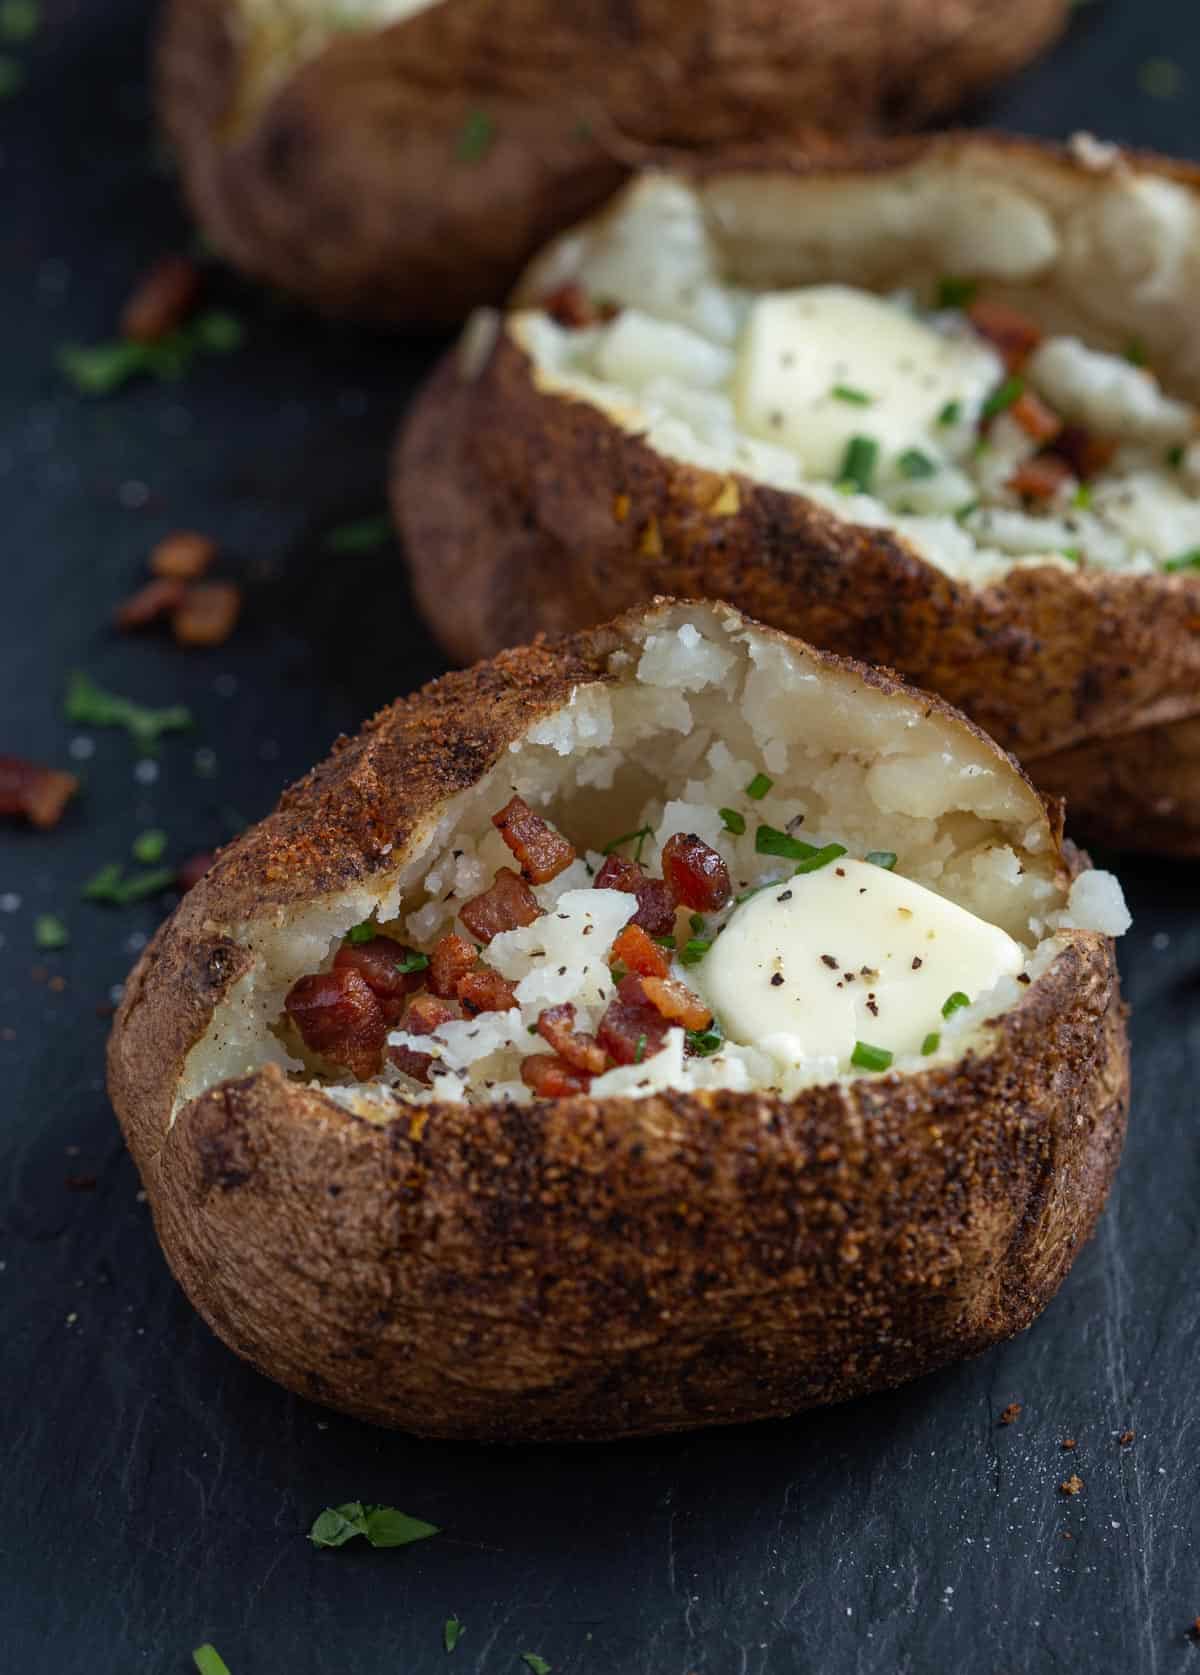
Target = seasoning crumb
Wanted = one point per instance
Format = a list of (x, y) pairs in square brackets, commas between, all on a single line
[(1126, 1437), (1069, 1444), (1011, 1413), (1071, 1485), (1024, 977), (777, 980), (918, 962), (828, 959)]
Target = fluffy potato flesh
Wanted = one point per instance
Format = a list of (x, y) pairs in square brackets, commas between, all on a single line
[(900, 833), (954, 353)]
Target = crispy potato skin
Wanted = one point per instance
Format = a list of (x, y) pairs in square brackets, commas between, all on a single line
[(540, 514), (583, 1268), (342, 184)]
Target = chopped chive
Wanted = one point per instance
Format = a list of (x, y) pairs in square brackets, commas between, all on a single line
[(19, 19), (49, 932), (149, 846), (12, 76), (618, 972), (822, 858), (1135, 352), (846, 392), (964, 512), (704, 1042), (642, 833), (931, 1043), (412, 962), (696, 921), (915, 465), (733, 821), (955, 1003), (1003, 397), (694, 950), (532, 1029), (664, 942), (950, 414), (452, 1632), (90, 705), (475, 138), (769, 840), (867, 1057), (858, 463), (1082, 496), (640, 1050), (885, 858), (758, 788), (360, 536), (111, 886), (1075, 554), (1185, 561), (1175, 456), (954, 292), (366, 932), (209, 1661)]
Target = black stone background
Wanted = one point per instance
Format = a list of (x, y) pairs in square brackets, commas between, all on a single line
[(155, 1491)]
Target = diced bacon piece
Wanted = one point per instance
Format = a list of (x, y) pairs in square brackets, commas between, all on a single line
[(183, 556), (541, 851), (1037, 420), (507, 903), (414, 1064), (156, 599), (485, 991), (452, 957), (1009, 331), (39, 794), (632, 1028), (636, 952), (207, 614), (677, 1003), (162, 300), (377, 963), (427, 1013), (193, 870), (340, 1018), (551, 1078), (1086, 452), (1040, 478), (656, 904), (556, 1025), (570, 305), (695, 873)]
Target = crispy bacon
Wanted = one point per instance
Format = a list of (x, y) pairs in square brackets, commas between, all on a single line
[(425, 1014), (339, 1017), (39, 794), (570, 305), (508, 902), (636, 952), (155, 599), (1035, 418), (556, 1025), (551, 1078), (656, 903), (452, 957), (414, 1064), (485, 991), (183, 556), (1040, 478), (632, 1028), (377, 964), (207, 614), (162, 300), (541, 851), (676, 1002), (1084, 451), (1014, 334), (695, 873)]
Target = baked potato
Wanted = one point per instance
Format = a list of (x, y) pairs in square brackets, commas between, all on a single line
[(806, 1116), (402, 159), (903, 405)]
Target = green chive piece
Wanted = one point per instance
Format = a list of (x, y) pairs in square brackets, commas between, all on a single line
[(640, 1050), (954, 292), (964, 512), (1075, 554), (1185, 561), (694, 950), (664, 942), (1082, 496), (640, 836), (955, 1003), (383, 1526), (49, 932), (704, 1042), (532, 1029), (858, 463), (696, 921), (1003, 397), (412, 962), (12, 76), (111, 886), (758, 787), (19, 19), (733, 821), (618, 972), (537, 1665), (1135, 352), (915, 465), (363, 535), (366, 932), (769, 840), (149, 846), (475, 138), (931, 1043), (866, 1057), (950, 414), (452, 1633), (90, 705), (209, 1661), (885, 858), (846, 392), (1175, 456), (822, 858)]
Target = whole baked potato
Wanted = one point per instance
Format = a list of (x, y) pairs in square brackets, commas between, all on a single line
[(670, 1026), (933, 406), (402, 159)]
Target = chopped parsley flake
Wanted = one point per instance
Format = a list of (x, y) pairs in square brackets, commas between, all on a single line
[(696, 921), (1175, 456), (1004, 396), (866, 1057), (846, 392), (858, 463), (640, 1050), (111, 886), (365, 932), (885, 858), (705, 1042), (149, 846), (950, 414), (953, 292), (1082, 497), (758, 787), (452, 1633), (640, 836), (209, 1661), (915, 465), (383, 1526), (733, 821), (411, 963), (1185, 561), (475, 138), (694, 950), (90, 705), (931, 1043), (955, 1003), (101, 368), (49, 932), (538, 1665)]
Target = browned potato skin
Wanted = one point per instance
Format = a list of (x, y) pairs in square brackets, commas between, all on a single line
[(343, 187), (593, 1268), (523, 511)]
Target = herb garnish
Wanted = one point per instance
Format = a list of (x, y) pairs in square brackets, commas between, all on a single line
[(867, 1057), (846, 392), (149, 846), (475, 137), (733, 821), (1175, 455), (361, 536), (1003, 396), (364, 932), (100, 368), (1135, 352), (452, 1633), (642, 833), (640, 1050), (769, 840), (694, 950), (19, 19), (49, 932), (696, 921), (664, 942), (209, 1661), (820, 858), (1082, 496), (858, 463), (12, 76), (885, 858), (110, 884), (955, 1003), (1185, 561), (931, 1043), (915, 465), (950, 414), (953, 292), (411, 963), (538, 1665), (758, 787), (383, 1526), (705, 1042), (90, 705)]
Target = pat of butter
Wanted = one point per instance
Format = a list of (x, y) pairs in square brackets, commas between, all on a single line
[(799, 347), (849, 953)]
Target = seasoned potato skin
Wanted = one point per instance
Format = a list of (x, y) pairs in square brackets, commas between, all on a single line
[(593, 1268), (343, 185), (524, 511)]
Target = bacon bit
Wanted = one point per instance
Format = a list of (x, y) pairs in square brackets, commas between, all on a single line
[(656, 903), (414, 1064), (1086, 453), (676, 1002), (1069, 1444), (427, 1013), (695, 873), (550, 1078), (571, 306), (183, 556), (541, 851), (1014, 334), (581, 1052), (207, 615), (376, 963), (1011, 1413), (155, 599), (340, 1018), (1126, 1437), (194, 869), (485, 991), (162, 300), (39, 794), (452, 957), (1040, 478), (1035, 418), (636, 952), (1071, 1485), (631, 1021), (509, 902)]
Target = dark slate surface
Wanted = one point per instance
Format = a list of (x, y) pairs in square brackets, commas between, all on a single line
[(156, 1491)]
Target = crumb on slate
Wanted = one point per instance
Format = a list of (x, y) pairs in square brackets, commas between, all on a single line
[(1071, 1485), (1011, 1413), (1069, 1444), (1126, 1437)]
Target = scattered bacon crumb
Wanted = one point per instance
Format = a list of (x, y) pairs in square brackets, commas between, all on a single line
[(541, 851), (1040, 478), (183, 556), (376, 963), (339, 1017), (1011, 1413), (696, 873), (154, 599), (507, 903), (676, 1002), (38, 793), (452, 957), (1071, 1485), (1037, 420), (1069, 1444), (1014, 334), (656, 901), (427, 1013), (207, 614), (1126, 1437), (638, 952), (632, 1020), (485, 991), (414, 1064), (571, 306), (581, 1052), (1086, 453), (551, 1078), (161, 300), (81, 1183)]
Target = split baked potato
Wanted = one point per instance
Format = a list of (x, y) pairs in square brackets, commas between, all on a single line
[(402, 159), (934, 406), (671, 1026)]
